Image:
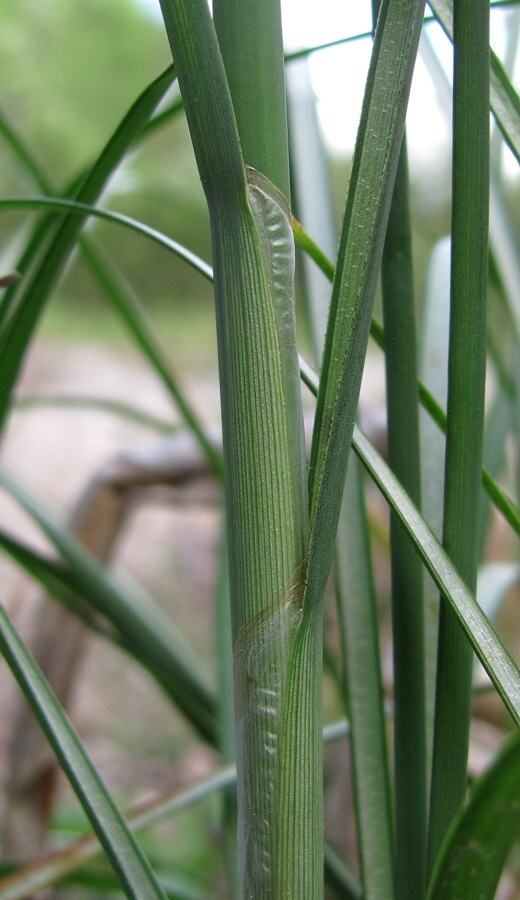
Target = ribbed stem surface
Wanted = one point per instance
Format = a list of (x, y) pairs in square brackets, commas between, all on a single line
[(466, 382)]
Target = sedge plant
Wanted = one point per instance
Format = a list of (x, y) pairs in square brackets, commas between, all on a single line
[(291, 520)]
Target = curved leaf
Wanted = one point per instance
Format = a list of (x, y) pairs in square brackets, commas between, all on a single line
[(145, 630), (20, 326), (120, 294), (61, 204), (503, 503), (476, 847), (99, 404), (502, 670), (128, 861), (485, 642)]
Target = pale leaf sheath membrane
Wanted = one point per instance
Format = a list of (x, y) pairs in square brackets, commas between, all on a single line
[(272, 216), (261, 658), (263, 644)]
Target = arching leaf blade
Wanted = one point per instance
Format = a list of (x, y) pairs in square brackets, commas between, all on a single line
[(494, 657), (475, 850), (30, 302), (491, 652), (82, 210), (145, 630), (115, 287), (128, 861)]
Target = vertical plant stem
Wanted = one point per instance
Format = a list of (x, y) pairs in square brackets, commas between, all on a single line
[(361, 244), (275, 651), (250, 40), (466, 381), (363, 687), (407, 576), (226, 730)]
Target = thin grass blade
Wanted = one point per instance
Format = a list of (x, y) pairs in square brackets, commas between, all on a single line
[(491, 652), (56, 866), (128, 861), (99, 404), (119, 292), (364, 692), (368, 202), (19, 327), (56, 579), (82, 210), (502, 670), (137, 321), (145, 631), (466, 387), (407, 573)]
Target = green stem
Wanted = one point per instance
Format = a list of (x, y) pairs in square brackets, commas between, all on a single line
[(466, 381), (358, 624), (361, 244), (266, 505), (407, 575), (250, 40)]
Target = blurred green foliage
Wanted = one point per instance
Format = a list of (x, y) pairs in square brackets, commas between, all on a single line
[(69, 72)]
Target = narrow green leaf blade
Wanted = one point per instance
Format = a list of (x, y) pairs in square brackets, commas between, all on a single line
[(477, 845), (57, 580), (486, 644), (494, 657), (81, 210), (397, 285), (134, 316), (465, 403), (119, 292), (358, 627), (57, 865), (76, 402), (20, 326), (375, 161), (129, 863), (145, 630)]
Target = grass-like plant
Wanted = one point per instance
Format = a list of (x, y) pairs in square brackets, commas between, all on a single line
[(290, 522)]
